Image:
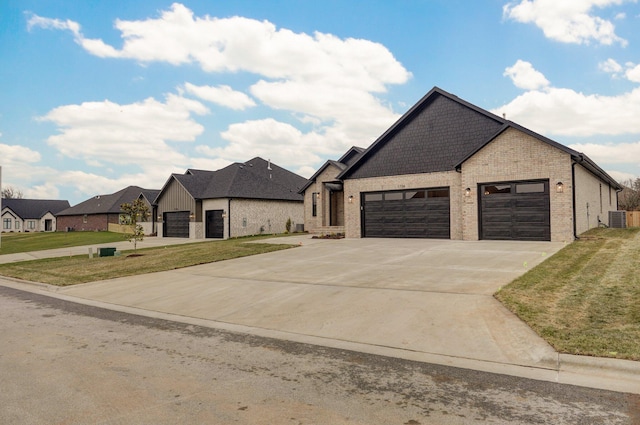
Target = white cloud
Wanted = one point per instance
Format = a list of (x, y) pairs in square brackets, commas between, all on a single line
[(524, 76), (633, 73), (267, 138), (321, 79), (621, 153), (135, 133), (567, 21), (329, 84), (621, 176), (221, 95), (610, 66), (563, 111), (48, 190), (16, 154)]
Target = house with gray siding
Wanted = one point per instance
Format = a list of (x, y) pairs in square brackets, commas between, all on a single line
[(449, 169), (248, 198)]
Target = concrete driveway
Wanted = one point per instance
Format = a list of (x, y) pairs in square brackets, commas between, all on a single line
[(430, 298)]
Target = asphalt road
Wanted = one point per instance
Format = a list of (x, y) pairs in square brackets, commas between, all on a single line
[(67, 363)]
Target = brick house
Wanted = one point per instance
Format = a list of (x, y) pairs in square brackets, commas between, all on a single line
[(97, 213), (241, 199), (449, 169)]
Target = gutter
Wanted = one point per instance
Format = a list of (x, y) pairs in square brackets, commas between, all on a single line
[(573, 200)]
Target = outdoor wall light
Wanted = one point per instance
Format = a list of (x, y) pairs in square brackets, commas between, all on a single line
[(224, 214), (192, 216), (467, 192), (159, 217), (351, 199), (559, 187)]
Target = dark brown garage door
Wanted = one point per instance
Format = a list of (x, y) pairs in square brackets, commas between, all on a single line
[(420, 213), (176, 224), (515, 211)]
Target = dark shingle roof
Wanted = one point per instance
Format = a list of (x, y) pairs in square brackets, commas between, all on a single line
[(345, 160), (150, 194), (254, 179), (34, 208), (432, 136), (106, 204), (439, 133)]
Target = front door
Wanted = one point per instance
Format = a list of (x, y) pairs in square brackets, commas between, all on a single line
[(214, 224), (48, 225)]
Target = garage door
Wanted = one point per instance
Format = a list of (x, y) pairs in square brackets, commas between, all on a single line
[(420, 213), (176, 224), (515, 211)]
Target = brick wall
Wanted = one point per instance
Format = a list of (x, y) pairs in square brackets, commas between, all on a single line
[(354, 187), (517, 156), (594, 199), (94, 222), (322, 217), (254, 216)]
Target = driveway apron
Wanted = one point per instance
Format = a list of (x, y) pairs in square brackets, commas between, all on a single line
[(424, 296)]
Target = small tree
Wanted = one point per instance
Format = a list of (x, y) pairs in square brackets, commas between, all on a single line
[(11, 192), (629, 198), (287, 225), (134, 212)]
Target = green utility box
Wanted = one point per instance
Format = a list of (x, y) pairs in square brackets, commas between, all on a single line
[(106, 252)]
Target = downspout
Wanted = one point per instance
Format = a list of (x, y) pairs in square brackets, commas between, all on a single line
[(229, 218), (573, 196)]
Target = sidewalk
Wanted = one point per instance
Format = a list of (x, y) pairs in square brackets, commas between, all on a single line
[(148, 242)]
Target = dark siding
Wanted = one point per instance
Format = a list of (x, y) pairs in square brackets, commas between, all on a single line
[(434, 139)]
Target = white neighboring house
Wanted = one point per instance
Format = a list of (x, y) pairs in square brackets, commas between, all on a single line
[(31, 215)]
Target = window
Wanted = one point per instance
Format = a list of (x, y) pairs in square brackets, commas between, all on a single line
[(6, 224), (439, 193), (497, 189), (84, 218), (244, 221), (17, 225), (610, 202), (31, 224), (314, 204), (373, 197), (415, 195), (530, 188), (393, 196)]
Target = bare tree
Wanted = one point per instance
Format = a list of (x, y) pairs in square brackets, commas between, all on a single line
[(629, 198), (133, 213), (11, 192)]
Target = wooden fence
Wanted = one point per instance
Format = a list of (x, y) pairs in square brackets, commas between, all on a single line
[(633, 218)]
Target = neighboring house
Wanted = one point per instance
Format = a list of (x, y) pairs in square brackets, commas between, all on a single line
[(327, 216), (31, 215), (449, 169), (99, 212), (150, 225), (241, 199)]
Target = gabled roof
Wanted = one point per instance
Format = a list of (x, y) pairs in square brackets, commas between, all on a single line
[(432, 136), (34, 208), (439, 133), (578, 157), (105, 204), (150, 194), (254, 179), (345, 160)]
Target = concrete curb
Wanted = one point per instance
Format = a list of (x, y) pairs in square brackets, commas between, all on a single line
[(593, 372)]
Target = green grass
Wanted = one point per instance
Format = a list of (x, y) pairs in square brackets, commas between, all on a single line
[(80, 269), (585, 299), (25, 242)]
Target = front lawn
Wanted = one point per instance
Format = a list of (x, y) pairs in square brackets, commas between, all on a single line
[(12, 243), (80, 269), (586, 298)]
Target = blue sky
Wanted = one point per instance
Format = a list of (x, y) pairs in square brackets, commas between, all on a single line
[(99, 95)]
